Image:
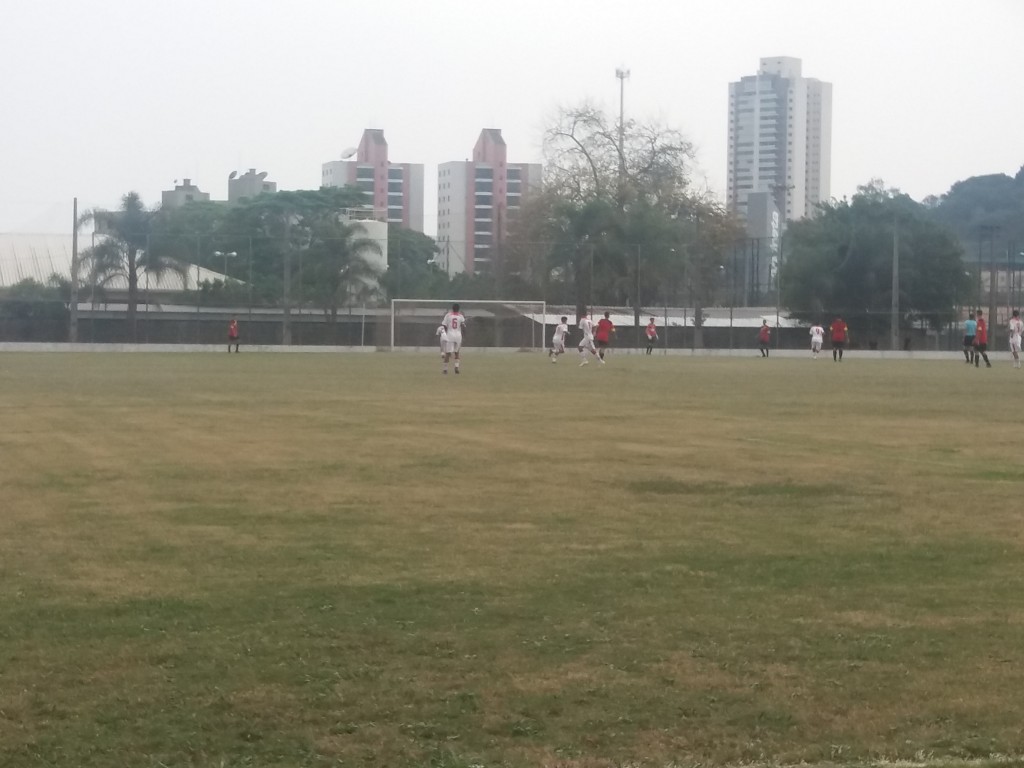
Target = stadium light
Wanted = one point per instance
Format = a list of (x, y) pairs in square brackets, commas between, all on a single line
[(226, 256)]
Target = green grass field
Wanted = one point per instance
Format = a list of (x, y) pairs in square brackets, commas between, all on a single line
[(313, 560)]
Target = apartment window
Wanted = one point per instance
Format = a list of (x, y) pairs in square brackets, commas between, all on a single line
[(515, 173), (484, 200), (394, 201), (364, 172), (394, 186), (396, 173), (484, 173)]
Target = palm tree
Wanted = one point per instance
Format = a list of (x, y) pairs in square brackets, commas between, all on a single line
[(125, 250), (336, 268)]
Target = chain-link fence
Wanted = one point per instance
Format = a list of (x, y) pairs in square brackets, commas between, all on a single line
[(188, 288)]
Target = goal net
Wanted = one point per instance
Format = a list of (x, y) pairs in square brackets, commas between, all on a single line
[(500, 324)]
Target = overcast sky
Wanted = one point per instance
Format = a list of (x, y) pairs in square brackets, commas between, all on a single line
[(101, 97)]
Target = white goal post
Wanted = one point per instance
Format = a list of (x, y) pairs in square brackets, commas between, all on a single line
[(520, 325)]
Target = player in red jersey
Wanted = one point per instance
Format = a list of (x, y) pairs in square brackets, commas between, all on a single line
[(603, 334), (764, 338), (840, 333), (233, 334), (652, 335), (981, 340)]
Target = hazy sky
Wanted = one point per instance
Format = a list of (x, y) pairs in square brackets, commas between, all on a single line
[(101, 97)]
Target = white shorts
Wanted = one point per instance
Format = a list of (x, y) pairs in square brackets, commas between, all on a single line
[(558, 346), (588, 343), (816, 346), (1015, 343), (453, 343)]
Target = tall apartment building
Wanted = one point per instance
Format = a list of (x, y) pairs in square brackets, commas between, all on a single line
[(476, 199), (393, 187), (780, 140)]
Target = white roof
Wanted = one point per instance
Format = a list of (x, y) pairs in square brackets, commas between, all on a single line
[(682, 317), (25, 256)]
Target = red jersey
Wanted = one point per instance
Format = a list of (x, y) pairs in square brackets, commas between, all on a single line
[(839, 329), (604, 329), (233, 329), (981, 335), (652, 331), (765, 334)]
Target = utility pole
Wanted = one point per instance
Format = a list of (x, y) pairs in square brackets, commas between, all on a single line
[(622, 74), (894, 317), (636, 307), (73, 308), (990, 231), (992, 275), (286, 318)]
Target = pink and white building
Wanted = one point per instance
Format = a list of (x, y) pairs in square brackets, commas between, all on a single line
[(396, 188), (475, 201)]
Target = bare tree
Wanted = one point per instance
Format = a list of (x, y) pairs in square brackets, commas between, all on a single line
[(584, 160)]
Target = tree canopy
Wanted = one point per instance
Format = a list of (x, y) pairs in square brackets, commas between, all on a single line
[(984, 211), (619, 221), (840, 262)]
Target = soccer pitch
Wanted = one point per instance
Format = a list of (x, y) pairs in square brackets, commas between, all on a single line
[(313, 560)]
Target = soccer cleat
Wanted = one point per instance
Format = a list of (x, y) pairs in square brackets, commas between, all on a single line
[(456, 370), (554, 359), (601, 360), (585, 362)]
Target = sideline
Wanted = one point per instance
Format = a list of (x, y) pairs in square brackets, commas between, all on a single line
[(852, 355)]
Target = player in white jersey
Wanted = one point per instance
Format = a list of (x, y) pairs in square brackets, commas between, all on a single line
[(1016, 329), (587, 342), (558, 340), (442, 338), (453, 324), (817, 337)]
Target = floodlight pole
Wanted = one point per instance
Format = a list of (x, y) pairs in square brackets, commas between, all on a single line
[(894, 316), (73, 303), (622, 74)]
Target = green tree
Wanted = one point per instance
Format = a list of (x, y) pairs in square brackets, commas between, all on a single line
[(987, 214), (840, 261), (38, 310), (124, 249), (276, 232), (274, 228), (618, 223), (412, 271), (336, 266)]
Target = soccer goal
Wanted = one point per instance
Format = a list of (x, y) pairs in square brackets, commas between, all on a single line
[(500, 324)]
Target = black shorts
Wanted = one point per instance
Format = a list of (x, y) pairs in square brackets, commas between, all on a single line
[(981, 347), (838, 344), (602, 344), (968, 341)]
